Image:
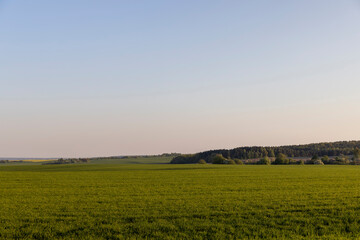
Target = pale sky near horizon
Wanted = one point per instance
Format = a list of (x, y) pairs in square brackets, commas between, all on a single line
[(101, 78)]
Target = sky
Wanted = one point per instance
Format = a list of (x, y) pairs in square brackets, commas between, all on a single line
[(107, 78)]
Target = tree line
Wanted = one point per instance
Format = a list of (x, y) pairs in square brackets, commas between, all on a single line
[(342, 148), (68, 161)]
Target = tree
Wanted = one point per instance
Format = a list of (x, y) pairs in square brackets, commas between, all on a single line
[(342, 160), (325, 159), (318, 162), (201, 161), (230, 161), (264, 153), (182, 159), (315, 157), (271, 153), (356, 154), (295, 151), (238, 162), (281, 159), (264, 161), (292, 161), (218, 159)]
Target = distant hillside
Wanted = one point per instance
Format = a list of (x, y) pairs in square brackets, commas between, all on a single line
[(143, 159), (26, 159), (307, 150)]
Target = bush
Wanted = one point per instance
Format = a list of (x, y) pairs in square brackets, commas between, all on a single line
[(218, 159), (356, 154), (239, 162), (342, 160), (201, 161), (318, 162), (325, 159), (264, 161), (292, 161), (302, 162), (315, 157), (232, 162), (281, 159), (355, 162)]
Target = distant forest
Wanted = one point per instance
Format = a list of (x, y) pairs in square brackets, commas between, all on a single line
[(308, 150)]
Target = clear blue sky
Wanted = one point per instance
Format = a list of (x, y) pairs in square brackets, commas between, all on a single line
[(98, 78)]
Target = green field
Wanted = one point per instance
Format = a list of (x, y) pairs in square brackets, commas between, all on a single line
[(106, 201)]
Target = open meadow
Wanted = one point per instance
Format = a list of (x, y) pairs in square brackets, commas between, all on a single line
[(93, 201)]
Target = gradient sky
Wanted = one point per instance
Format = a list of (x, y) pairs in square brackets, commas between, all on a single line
[(100, 78)]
